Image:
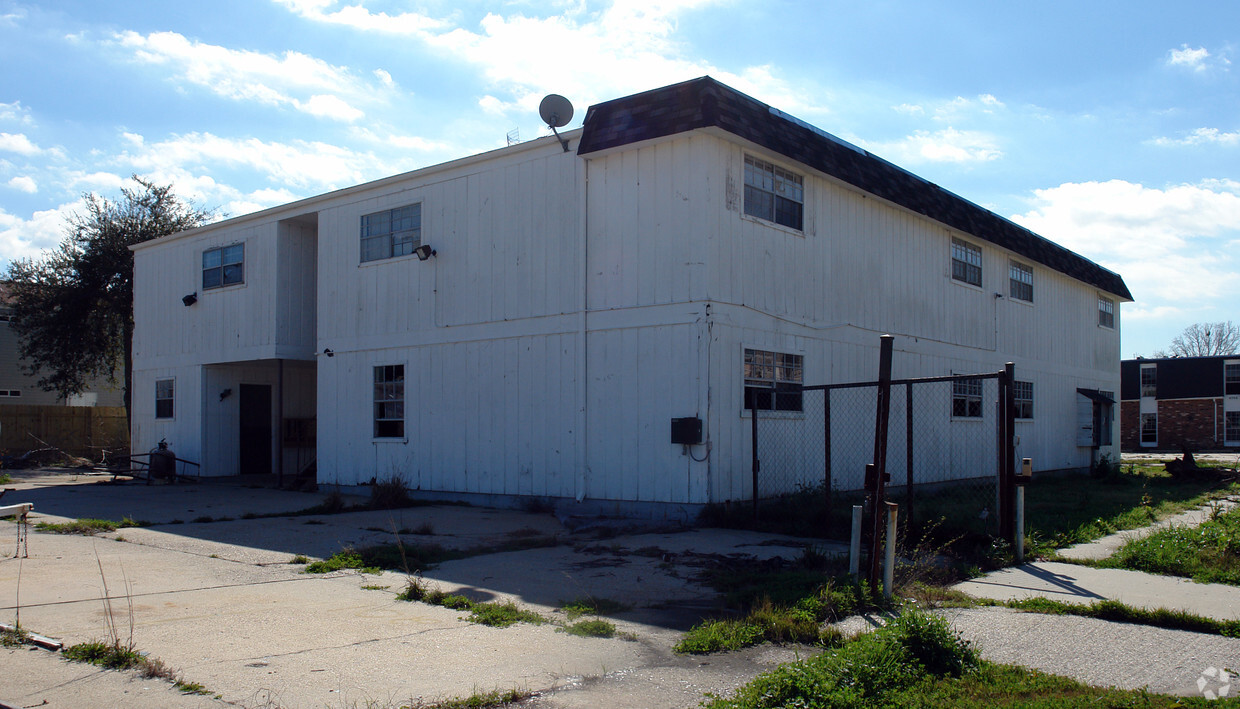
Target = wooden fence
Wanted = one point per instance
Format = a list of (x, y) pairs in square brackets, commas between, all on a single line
[(84, 431)]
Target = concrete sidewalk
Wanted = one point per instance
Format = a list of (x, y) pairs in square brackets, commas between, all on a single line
[(221, 602)]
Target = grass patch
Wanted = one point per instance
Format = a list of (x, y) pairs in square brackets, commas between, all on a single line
[(341, 560), (596, 628), (868, 671), (1208, 553), (374, 587), (389, 494), (112, 656), (917, 661), (498, 615), (590, 605), (5, 478), (14, 636), (1124, 613), (482, 700), (89, 527), (800, 621), (299, 559)]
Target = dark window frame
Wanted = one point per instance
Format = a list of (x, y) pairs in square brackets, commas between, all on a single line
[(773, 380), (774, 194), (1231, 378), (227, 266), (967, 398), (1149, 428), (1020, 281), (390, 233), (165, 398), (966, 262), (1023, 395), (1106, 312), (389, 401), (1149, 381)]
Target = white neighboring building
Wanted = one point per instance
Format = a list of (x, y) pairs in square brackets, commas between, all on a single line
[(580, 300)]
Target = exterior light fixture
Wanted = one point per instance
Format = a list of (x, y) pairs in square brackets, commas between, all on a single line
[(424, 252), (328, 351), (225, 394), (190, 299)]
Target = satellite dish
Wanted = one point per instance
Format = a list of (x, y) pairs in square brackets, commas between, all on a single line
[(556, 111)]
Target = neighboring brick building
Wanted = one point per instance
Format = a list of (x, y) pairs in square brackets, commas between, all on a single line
[(1184, 401)]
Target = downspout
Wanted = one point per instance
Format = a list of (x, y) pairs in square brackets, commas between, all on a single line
[(582, 390)]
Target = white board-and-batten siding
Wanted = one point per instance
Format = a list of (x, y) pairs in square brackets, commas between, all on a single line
[(577, 304)]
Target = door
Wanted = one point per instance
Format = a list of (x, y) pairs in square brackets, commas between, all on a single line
[(255, 432)]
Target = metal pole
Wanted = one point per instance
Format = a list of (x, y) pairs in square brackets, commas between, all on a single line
[(889, 567), (854, 548), (880, 455), (1007, 470), (280, 424)]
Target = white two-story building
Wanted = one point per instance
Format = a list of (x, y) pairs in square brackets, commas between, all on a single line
[(528, 321)]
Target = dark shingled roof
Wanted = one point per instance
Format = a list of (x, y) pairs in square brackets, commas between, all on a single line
[(705, 103)]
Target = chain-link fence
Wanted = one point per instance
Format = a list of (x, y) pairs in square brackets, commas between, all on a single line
[(942, 458)]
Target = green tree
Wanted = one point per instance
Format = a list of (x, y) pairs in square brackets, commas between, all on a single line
[(73, 307)]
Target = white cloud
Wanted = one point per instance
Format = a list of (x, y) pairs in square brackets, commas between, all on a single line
[(15, 112), (1194, 59), (18, 143), (293, 79), (309, 164), (1169, 244), (29, 238), (384, 77), (1203, 136), (910, 109), (613, 51), (24, 184), (948, 145)]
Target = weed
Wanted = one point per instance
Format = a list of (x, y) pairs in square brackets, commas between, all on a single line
[(479, 700), (5, 478), (596, 628), (250, 515), (13, 636), (425, 529), (203, 519), (89, 527), (1209, 553), (591, 605), (108, 655), (299, 559), (389, 494), (333, 503), (344, 559), (502, 615), (314, 521), (374, 587)]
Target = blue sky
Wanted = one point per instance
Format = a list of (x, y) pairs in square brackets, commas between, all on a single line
[(1110, 127)]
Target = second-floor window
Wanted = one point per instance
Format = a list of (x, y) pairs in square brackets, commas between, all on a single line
[(966, 263), (773, 193), (1021, 277), (224, 266), (1149, 380), (1231, 378), (392, 232), (1106, 312)]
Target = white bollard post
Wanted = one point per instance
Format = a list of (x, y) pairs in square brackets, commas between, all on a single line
[(889, 568), (1020, 523), (854, 549)]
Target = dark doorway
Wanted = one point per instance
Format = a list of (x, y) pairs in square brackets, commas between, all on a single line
[(255, 429)]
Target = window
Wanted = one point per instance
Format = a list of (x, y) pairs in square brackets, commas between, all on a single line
[(1149, 380), (224, 266), (1231, 427), (1023, 392), (967, 398), (773, 381), (1149, 429), (966, 263), (1231, 378), (1021, 277), (773, 193), (1106, 311), (165, 390), (390, 401), (394, 232), (10, 393)]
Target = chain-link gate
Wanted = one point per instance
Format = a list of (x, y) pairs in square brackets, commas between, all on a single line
[(944, 448)]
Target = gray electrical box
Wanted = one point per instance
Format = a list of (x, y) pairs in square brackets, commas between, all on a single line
[(687, 431)]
